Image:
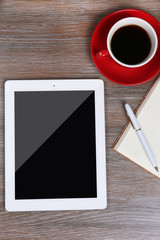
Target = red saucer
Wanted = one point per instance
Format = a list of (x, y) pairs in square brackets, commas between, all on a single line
[(112, 70)]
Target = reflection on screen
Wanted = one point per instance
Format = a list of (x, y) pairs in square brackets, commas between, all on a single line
[(55, 152)]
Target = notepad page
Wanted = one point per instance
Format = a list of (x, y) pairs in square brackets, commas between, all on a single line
[(148, 116)]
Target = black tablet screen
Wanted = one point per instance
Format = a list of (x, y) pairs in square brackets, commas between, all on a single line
[(55, 146)]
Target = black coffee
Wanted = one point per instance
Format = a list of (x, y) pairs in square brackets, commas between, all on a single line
[(130, 44)]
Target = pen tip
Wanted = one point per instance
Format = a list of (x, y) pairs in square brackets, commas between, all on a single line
[(156, 168)]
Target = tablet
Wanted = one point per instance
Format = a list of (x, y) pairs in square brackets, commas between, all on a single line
[(54, 145)]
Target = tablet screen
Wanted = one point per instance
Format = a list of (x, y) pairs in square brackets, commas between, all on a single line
[(55, 146)]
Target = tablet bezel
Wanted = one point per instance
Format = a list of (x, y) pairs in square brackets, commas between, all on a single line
[(12, 86)]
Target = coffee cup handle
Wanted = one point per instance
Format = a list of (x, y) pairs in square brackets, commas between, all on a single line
[(102, 53)]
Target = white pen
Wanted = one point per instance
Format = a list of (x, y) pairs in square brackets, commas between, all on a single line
[(141, 135)]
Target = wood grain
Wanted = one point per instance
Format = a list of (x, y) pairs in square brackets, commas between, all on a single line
[(51, 39)]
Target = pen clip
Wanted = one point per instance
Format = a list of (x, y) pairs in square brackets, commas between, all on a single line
[(130, 121)]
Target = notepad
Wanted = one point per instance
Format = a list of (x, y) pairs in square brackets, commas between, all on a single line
[(148, 116)]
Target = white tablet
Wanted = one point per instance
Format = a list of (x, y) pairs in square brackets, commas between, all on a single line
[(54, 145)]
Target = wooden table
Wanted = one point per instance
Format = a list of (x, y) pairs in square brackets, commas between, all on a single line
[(51, 39)]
